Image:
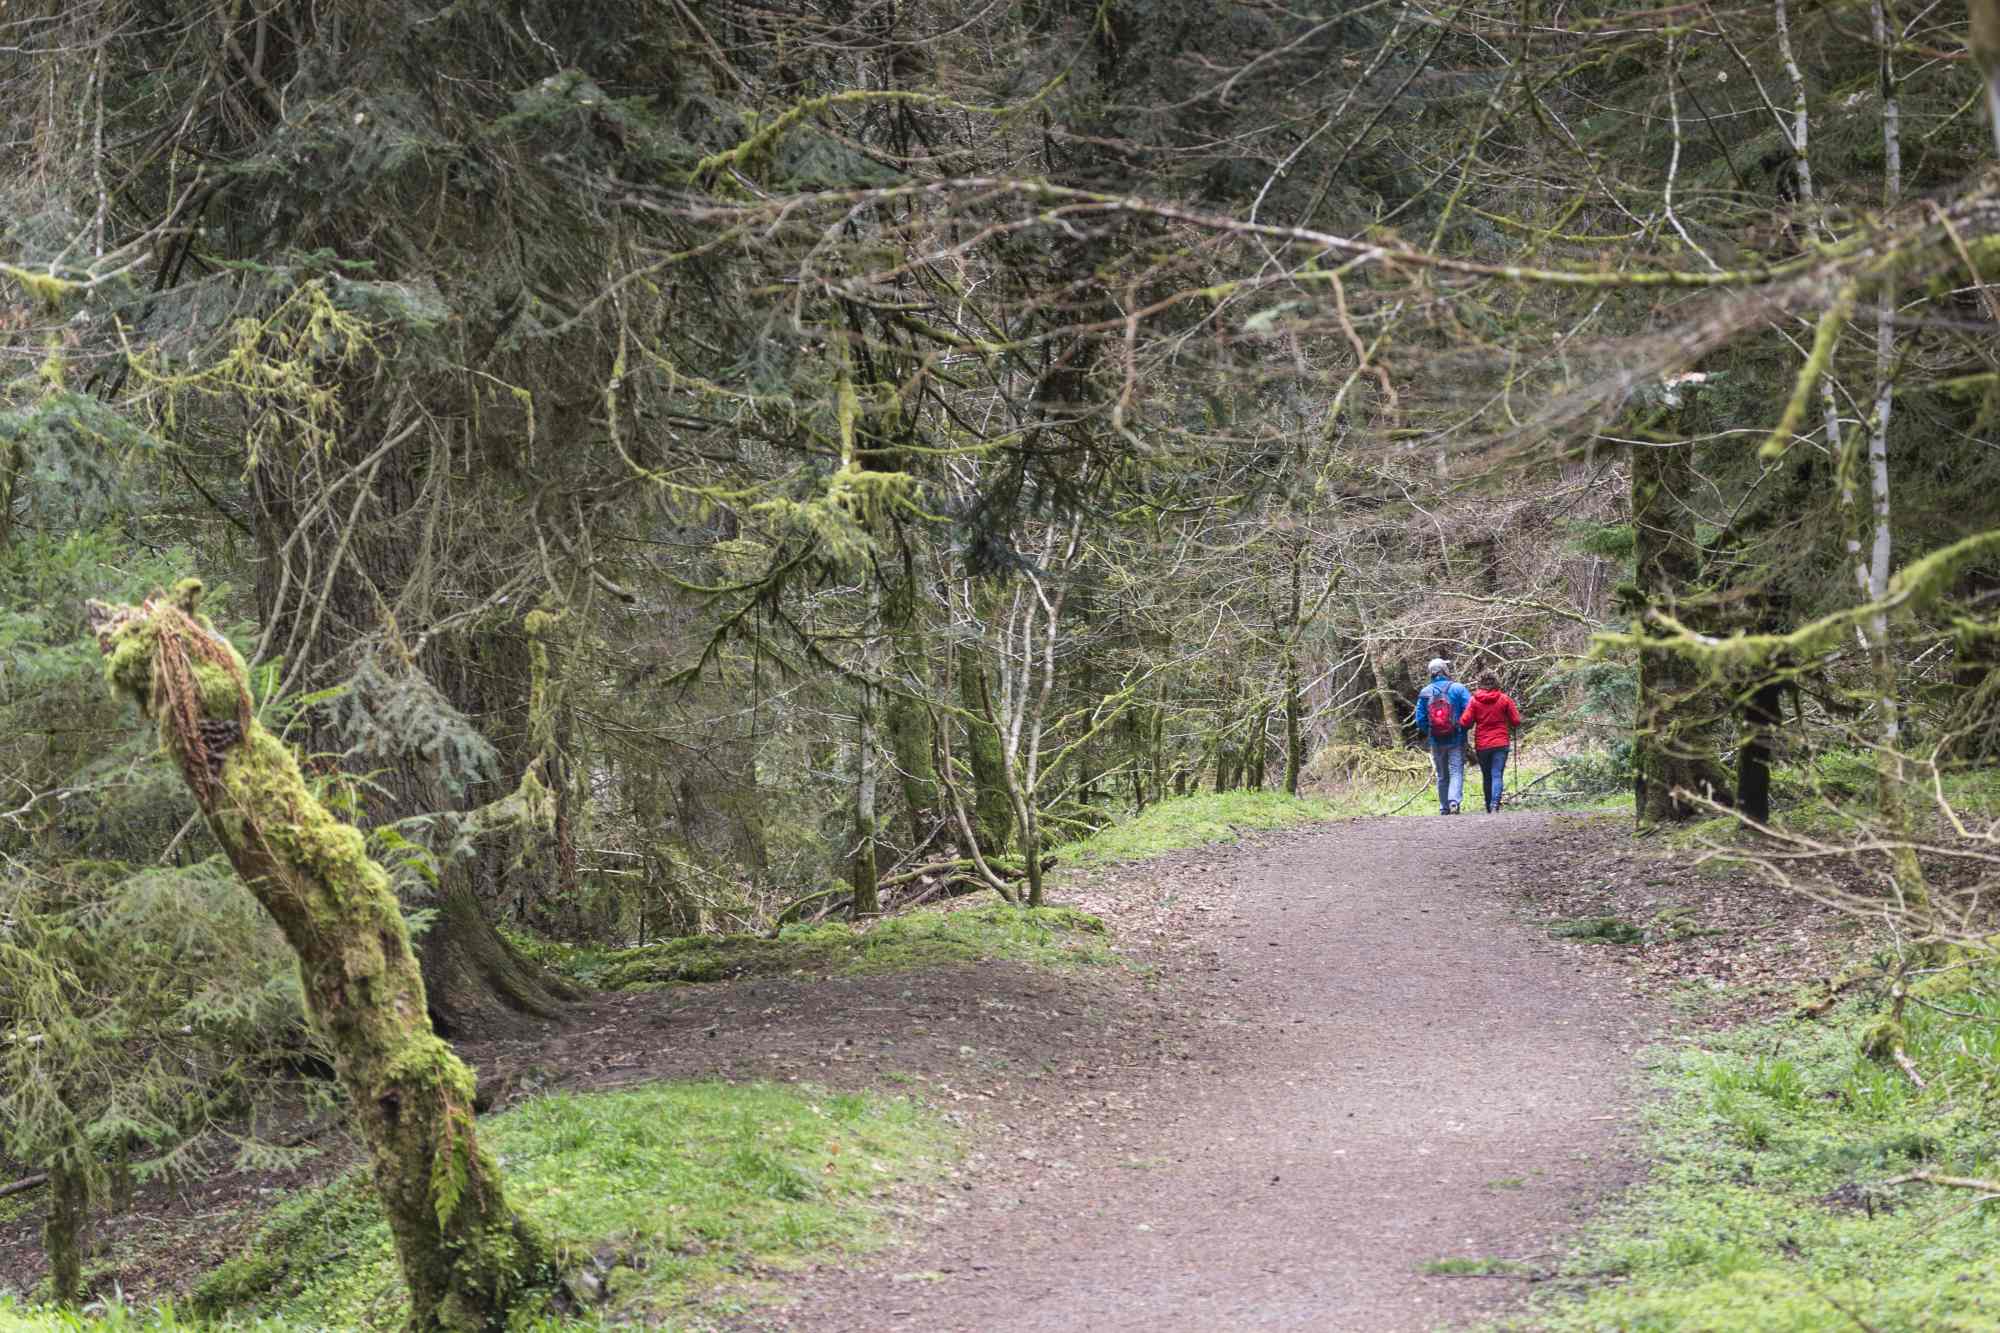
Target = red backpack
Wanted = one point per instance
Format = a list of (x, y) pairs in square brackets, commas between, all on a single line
[(1443, 718)]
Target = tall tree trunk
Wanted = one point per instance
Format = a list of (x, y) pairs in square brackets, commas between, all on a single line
[(1761, 716), (992, 811), (906, 719), (1870, 540), (466, 1255), (1257, 756), (863, 873), (1673, 747), (1295, 745), (62, 1231)]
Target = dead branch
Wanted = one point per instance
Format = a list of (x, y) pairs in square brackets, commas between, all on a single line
[(24, 1184)]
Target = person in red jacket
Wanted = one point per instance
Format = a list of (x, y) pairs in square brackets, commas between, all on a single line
[(1492, 717)]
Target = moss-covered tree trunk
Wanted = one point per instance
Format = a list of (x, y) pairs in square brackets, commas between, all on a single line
[(904, 715), (1672, 751), (467, 1257), (863, 872), (62, 1230), (1258, 755), (992, 810)]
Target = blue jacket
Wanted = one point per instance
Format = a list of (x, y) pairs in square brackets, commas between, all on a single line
[(1459, 696)]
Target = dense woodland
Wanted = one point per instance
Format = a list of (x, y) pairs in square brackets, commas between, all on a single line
[(690, 466)]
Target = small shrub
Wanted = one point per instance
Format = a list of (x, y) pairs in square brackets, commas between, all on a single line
[(1603, 929)]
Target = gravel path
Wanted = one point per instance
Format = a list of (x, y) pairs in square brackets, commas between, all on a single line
[(1393, 1072)]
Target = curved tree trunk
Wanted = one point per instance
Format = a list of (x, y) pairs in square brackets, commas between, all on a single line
[(466, 1255)]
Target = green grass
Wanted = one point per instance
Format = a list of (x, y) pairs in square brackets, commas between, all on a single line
[(1193, 821), (675, 1197), (1049, 936), (1768, 1208), (1476, 1267), (116, 1319)]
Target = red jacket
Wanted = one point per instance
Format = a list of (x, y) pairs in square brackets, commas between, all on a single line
[(1493, 716)]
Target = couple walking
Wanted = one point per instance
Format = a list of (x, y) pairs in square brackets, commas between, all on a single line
[(1446, 710)]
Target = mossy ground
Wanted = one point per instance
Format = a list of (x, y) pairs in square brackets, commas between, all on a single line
[(1769, 1208), (1048, 936), (673, 1198), (1194, 821)]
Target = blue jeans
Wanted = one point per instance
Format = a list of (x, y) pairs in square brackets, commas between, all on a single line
[(1449, 761), (1492, 768)]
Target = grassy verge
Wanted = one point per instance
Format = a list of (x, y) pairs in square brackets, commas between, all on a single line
[(1050, 936), (1193, 821), (1774, 1204), (672, 1199)]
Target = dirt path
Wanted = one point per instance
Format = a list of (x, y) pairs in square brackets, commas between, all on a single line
[(1393, 1071)]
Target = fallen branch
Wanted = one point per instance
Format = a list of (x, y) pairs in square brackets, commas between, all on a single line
[(785, 916), (24, 1184)]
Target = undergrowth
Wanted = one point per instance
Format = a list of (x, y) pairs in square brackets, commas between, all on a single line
[(1050, 936), (1832, 795), (1194, 821), (1777, 1203), (668, 1198), (116, 1318)]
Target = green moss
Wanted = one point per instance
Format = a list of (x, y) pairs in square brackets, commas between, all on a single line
[(1603, 929), (1050, 936), (1194, 821)]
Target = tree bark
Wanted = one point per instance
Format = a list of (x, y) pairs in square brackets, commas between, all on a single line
[(1761, 716), (905, 718), (1295, 745), (466, 1255), (1871, 536), (62, 1232), (1672, 749), (864, 874), (993, 812)]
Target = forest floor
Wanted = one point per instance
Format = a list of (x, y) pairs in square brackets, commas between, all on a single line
[(1346, 1078), (1351, 1081)]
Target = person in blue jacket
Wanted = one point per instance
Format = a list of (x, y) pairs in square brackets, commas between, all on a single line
[(1440, 705)]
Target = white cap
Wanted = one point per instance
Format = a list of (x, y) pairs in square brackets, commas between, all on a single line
[(1439, 667)]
